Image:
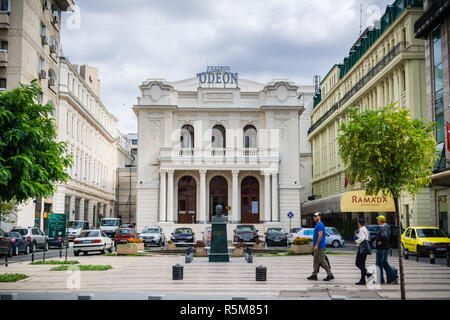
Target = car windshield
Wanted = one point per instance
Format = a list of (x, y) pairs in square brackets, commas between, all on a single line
[(183, 231), (332, 231), (150, 230), (124, 232), (76, 224), (245, 229), (295, 230), (12, 234), (109, 223), (90, 234), (275, 231), (430, 233), (21, 231)]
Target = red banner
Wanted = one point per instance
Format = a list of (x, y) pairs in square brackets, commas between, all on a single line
[(447, 126)]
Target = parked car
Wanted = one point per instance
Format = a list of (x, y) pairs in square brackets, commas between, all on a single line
[(110, 225), (19, 244), (207, 236), (276, 236), (183, 235), (34, 236), (123, 234), (75, 228), (421, 240), (373, 229), (333, 238), (245, 233), (5, 244), (154, 235), (92, 240), (293, 234)]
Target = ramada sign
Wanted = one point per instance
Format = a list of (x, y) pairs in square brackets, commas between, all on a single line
[(359, 201), (369, 199)]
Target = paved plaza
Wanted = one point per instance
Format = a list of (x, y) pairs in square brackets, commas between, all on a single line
[(141, 276)]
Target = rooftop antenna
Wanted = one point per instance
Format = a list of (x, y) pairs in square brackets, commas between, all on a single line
[(360, 18)]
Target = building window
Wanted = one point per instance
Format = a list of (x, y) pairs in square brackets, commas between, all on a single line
[(250, 135), (55, 13), (187, 136), (218, 137), (5, 5), (51, 78), (41, 64), (2, 84), (53, 45)]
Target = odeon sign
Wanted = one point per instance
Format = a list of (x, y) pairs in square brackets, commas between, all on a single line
[(218, 75)]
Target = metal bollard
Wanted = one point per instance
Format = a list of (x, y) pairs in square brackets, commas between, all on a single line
[(432, 256), (60, 253), (32, 257), (6, 259), (406, 254), (177, 272), (417, 254), (261, 273)]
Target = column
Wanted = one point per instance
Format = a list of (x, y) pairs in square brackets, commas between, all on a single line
[(396, 89), (235, 205), (275, 214), (202, 196), (170, 196), (267, 196), (162, 197)]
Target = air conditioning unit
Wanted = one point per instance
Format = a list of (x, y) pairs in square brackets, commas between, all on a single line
[(44, 40), (42, 74), (52, 82), (45, 5)]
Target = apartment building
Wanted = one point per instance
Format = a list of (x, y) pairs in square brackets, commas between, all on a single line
[(386, 64), (434, 27), (30, 32)]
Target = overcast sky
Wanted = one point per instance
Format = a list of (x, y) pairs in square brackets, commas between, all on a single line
[(130, 41)]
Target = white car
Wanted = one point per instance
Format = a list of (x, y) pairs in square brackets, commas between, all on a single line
[(293, 234), (92, 240), (332, 236), (154, 235)]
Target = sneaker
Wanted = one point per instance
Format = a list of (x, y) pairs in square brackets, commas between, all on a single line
[(312, 277), (328, 278)]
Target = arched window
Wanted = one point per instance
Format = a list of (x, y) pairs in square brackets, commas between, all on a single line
[(250, 136), (187, 136), (51, 77), (218, 137)]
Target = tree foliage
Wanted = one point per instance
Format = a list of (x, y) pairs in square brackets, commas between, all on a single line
[(31, 161), (385, 150), (8, 211)]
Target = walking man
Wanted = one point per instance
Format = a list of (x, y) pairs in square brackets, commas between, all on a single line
[(319, 243), (383, 246)]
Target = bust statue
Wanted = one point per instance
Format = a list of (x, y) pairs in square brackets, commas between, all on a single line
[(219, 217)]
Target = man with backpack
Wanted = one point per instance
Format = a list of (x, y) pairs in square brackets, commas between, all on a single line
[(383, 247), (319, 243)]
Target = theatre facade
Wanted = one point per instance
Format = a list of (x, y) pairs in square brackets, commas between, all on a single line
[(218, 139)]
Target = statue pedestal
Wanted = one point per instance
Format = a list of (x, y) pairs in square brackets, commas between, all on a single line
[(219, 243)]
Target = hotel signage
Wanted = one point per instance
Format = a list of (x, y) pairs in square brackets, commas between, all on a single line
[(216, 76), (358, 201)]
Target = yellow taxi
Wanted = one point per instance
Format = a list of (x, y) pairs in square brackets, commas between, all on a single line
[(421, 240)]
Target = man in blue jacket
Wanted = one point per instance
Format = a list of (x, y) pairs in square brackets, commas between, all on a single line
[(319, 243)]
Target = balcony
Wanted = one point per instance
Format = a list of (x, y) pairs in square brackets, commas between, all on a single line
[(249, 158), (4, 20), (3, 58)]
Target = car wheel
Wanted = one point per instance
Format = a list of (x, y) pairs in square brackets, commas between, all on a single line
[(10, 251), (33, 247), (335, 244), (61, 246), (27, 250), (46, 246), (16, 250), (104, 250), (110, 250), (76, 253), (85, 253)]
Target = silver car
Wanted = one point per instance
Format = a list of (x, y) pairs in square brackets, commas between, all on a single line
[(34, 237), (153, 235)]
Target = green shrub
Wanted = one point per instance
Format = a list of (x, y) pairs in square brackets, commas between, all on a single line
[(12, 277), (88, 267), (55, 262)]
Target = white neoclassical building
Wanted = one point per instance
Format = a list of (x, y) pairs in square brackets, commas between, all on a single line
[(217, 139)]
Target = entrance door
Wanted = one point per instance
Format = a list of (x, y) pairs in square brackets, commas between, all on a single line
[(187, 193), (218, 194), (250, 200)]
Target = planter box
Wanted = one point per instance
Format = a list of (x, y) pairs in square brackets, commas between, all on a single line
[(302, 249), (129, 248), (238, 252), (171, 246), (258, 245), (201, 252)]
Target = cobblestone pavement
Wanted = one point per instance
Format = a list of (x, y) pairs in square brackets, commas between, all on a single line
[(138, 277)]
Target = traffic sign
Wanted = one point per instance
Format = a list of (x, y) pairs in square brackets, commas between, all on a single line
[(290, 215)]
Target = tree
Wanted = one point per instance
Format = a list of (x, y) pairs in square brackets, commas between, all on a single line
[(385, 150), (8, 210), (31, 161)]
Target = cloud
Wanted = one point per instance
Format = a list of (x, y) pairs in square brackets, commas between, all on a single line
[(130, 41)]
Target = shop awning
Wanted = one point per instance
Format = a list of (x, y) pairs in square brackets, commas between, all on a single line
[(325, 205), (358, 201)]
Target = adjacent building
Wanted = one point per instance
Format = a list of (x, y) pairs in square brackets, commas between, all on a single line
[(386, 64), (30, 32), (218, 139), (434, 27)]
